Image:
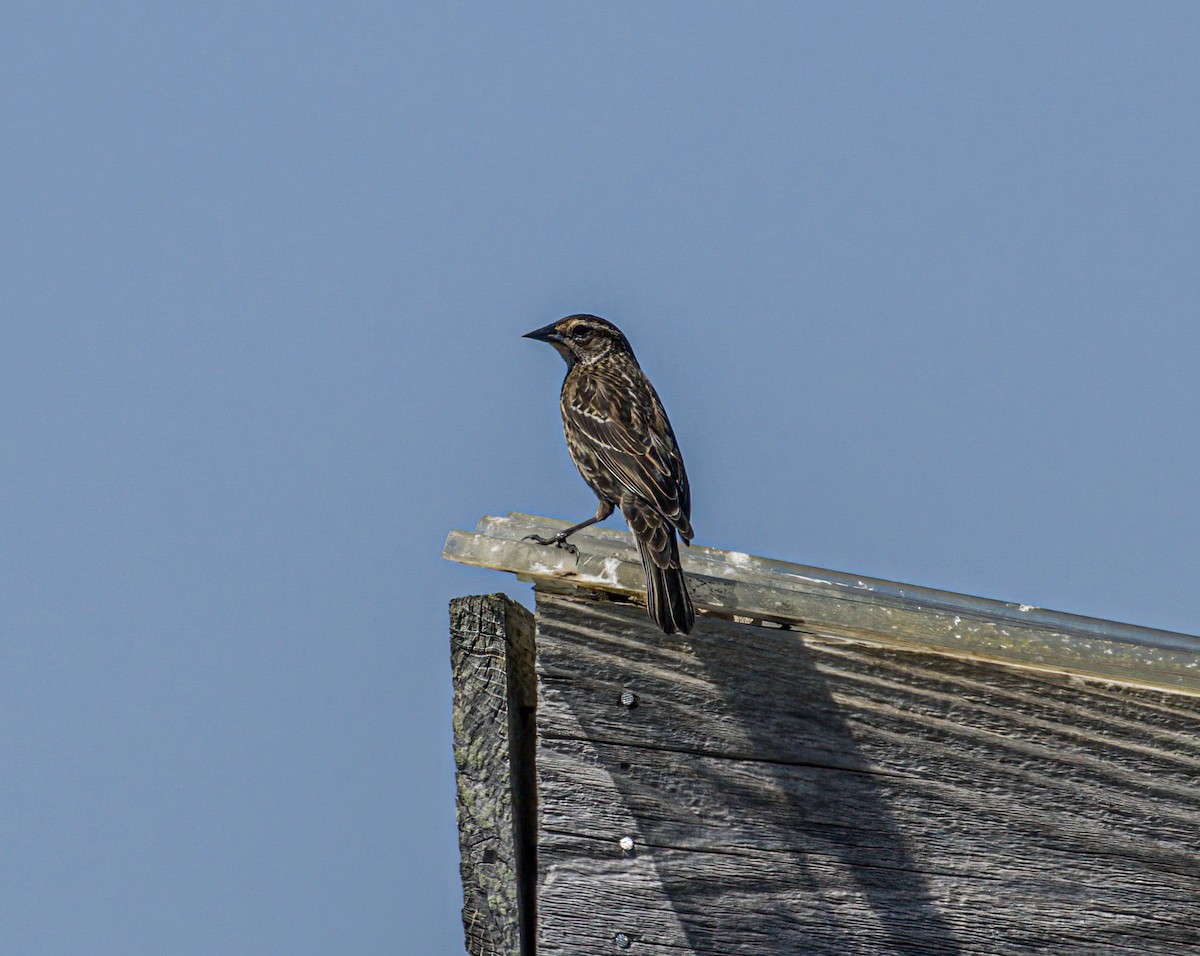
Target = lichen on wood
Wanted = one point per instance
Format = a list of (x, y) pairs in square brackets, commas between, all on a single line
[(491, 653)]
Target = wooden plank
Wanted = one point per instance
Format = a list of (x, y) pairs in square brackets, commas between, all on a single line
[(786, 792), (735, 585), (491, 654)]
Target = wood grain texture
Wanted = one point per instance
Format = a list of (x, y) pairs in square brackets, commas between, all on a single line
[(792, 793), (491, 654)]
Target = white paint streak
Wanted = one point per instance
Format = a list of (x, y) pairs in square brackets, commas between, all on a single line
[(801, 577), (609, 574)]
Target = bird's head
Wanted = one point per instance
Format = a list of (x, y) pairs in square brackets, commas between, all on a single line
[(582, 339)]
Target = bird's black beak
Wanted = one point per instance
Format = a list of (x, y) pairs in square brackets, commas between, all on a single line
[(547, 333)]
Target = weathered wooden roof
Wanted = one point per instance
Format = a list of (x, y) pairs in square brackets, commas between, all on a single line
[(731, 584)]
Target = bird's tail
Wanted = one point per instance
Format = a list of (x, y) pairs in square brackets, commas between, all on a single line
[(667, 597)]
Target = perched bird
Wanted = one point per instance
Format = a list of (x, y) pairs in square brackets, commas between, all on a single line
[(622, 443)]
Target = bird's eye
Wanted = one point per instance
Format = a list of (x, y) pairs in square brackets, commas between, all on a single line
[(580, 332)]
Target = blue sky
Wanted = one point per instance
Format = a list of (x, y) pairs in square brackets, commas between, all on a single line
[(918, 284)]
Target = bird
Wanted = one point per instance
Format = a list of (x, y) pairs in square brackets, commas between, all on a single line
[(622, 442)]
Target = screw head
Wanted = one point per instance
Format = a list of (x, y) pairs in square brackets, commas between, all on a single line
[(621, 941), (626, 843), (628, 699)]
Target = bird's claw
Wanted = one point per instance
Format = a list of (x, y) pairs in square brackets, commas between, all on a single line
[(559, 541)]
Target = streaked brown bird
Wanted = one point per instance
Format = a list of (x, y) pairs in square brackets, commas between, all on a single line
[(622, 443)]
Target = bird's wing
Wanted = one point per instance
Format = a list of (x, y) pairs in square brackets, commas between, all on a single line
[(618, 414)]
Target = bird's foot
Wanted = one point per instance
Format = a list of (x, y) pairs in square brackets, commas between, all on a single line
[(559, 541)]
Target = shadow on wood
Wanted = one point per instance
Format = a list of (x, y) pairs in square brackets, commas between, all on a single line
[(752, 814)]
